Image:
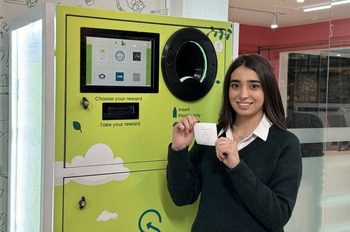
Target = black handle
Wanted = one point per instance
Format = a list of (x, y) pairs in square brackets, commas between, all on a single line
[(82, 203), (84, 103)]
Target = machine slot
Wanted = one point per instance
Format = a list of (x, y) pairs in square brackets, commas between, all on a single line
[(118, 111)]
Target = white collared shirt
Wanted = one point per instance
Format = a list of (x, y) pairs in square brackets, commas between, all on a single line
[(261, 131)]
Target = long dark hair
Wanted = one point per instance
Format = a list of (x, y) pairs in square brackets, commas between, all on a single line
[(273, 107)]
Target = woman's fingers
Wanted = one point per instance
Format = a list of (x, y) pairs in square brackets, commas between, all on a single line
[(183, 132), (227, 152), (188, 123)]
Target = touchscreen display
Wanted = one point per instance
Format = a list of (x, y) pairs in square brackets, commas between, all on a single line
[(119, 61)]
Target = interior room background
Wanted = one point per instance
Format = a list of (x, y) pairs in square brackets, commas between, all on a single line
[(298, 52)]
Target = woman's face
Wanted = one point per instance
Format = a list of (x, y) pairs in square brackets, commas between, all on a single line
[(246, 93)]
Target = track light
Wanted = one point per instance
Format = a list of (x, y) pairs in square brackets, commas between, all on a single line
[(274, 23)]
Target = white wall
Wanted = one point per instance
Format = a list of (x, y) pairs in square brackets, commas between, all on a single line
[(3, 116)]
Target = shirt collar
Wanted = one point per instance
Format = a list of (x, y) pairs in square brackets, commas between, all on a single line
[(262, 130)]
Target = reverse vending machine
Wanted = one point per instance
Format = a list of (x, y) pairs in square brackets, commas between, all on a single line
[(122, 81)]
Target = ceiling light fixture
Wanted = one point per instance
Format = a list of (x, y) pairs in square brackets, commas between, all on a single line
[(274, 13), (327, 6), (300, 1), (334, 3), (274, 23), (315, 8)]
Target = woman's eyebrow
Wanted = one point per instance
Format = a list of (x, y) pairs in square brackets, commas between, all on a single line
[(250, 81), (253, 81)]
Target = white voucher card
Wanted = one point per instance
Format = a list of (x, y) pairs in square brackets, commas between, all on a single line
[(205, 133)]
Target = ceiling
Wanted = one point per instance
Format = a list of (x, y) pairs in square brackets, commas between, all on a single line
[(289, 12)]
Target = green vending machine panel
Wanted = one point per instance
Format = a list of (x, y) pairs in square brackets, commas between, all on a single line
[(123, 80), (138, 203)]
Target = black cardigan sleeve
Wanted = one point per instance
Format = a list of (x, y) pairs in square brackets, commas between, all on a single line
[(183, 178), (272, 203)]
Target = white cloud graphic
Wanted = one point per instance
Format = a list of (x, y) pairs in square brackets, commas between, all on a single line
[(97, 167), (106, 216)]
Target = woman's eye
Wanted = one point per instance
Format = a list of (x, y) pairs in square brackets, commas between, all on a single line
[(234, 86), (254, 86)]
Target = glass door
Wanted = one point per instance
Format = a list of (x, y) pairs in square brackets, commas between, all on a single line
[(30, 130)]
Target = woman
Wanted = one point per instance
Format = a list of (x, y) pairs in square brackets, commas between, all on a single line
[(249, 181)]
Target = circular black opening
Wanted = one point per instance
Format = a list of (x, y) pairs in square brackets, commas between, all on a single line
[(191, 62)]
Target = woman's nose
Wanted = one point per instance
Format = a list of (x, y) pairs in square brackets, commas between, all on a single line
[(244, 93)]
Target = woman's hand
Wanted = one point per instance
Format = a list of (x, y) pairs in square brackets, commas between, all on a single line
[(227, 152), (183, 133)]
